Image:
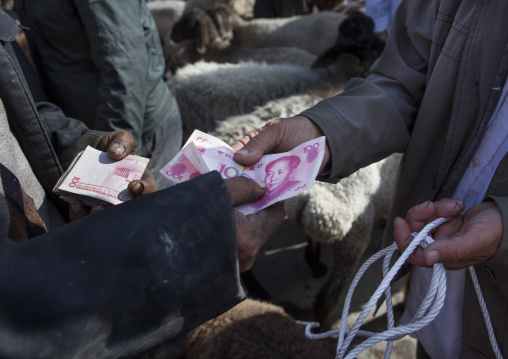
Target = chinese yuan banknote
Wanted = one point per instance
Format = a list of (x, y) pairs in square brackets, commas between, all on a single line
[(286, 174), (95, 178)]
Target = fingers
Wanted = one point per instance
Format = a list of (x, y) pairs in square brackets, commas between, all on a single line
[(96, 208), (257, 143), (419, 216), (77, 210), (474, 241), (244, 140), (271, 218), (244, 190), (280, 135), (144, 186), (117, 144), (254, 230)]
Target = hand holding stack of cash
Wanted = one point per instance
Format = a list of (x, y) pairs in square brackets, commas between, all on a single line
[(94, 178), (286, 174)]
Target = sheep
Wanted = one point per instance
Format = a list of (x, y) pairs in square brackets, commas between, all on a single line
[(313, 33), (183, 53), (217, 26), (255, 330), (343, 215), (210, 92), (165, 14)]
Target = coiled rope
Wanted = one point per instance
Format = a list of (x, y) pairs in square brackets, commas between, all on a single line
[(428, 310)]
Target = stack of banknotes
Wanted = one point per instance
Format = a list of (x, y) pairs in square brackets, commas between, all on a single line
[(286, 174), (94, 178)]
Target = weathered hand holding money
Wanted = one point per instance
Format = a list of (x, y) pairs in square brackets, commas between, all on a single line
[(286, 174), (97, 186)]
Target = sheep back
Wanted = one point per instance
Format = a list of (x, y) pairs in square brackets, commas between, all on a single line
[(255, 330)]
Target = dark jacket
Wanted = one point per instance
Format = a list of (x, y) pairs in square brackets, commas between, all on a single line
[(431, 95), (100, 61), (118, 282)]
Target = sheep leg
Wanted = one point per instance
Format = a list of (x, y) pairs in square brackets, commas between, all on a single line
[(312, 253), (346, 253)]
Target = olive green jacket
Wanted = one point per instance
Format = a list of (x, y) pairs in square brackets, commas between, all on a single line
[(100, 61), (430, 96)]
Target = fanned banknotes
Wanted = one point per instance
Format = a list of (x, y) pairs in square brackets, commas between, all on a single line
[(94, 178), (286, 174)]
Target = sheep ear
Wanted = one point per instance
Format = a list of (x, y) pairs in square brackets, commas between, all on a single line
[(223, 19), (326, 59), (202, 33)]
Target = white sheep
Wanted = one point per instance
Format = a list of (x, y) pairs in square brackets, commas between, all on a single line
[(183, 53), (255, 330), (210, 92), (343, 215)]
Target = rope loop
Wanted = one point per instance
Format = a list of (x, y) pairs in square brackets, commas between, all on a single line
[(428, 310)]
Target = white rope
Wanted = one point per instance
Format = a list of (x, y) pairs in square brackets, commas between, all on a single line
[(428, 310)]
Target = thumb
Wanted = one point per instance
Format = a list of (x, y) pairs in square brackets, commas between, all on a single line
[(117, 144), (244, 190), (256, 144)]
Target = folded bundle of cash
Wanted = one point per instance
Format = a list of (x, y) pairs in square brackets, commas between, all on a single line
[(94, 178), (286, 174)]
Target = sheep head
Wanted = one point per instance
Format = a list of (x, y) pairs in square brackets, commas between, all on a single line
[(209, 28), (356, 48)]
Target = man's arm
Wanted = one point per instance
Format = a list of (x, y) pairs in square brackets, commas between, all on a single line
[(119, 52), (372, 117), (132, 276)]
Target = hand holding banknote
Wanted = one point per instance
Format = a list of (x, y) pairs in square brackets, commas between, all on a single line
[(254, 230), (285, 174), (118, 144), (278, 136)]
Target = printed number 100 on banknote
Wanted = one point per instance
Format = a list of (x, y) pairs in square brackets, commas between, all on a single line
[(286, 174)]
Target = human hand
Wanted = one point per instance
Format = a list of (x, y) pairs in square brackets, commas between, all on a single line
[(252, 231), (280, 135), (118, 144), (464, 240)]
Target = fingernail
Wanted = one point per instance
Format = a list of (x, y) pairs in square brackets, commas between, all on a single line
[(260, 183), (243, 152), (117, 148), (138, 188), (432, 257), (423, 205), (453, 205), (76, 208)]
